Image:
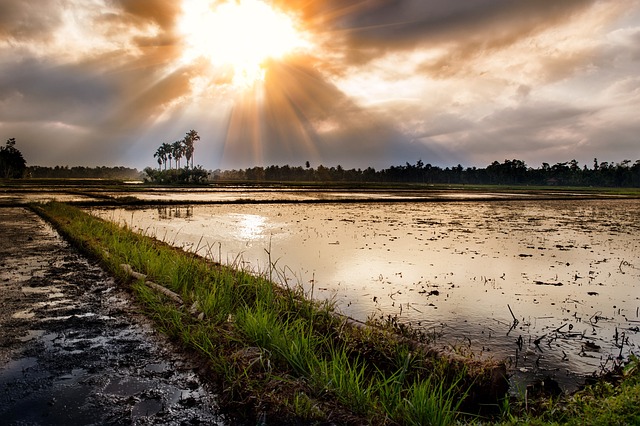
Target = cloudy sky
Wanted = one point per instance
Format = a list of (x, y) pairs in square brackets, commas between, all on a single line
[(352, 82)]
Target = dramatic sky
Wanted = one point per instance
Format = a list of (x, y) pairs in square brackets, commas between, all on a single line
[(352, 82)]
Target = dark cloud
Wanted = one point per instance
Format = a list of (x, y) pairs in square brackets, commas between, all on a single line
[(33, 90), (538, 132), (28, 21), (92, 93), (87, 113), (160, 12), (371, 28)]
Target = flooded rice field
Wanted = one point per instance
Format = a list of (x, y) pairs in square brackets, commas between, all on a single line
[(552, 286), (94, 192)]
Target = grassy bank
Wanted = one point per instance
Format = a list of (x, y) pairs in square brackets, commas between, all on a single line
[(283, 357)]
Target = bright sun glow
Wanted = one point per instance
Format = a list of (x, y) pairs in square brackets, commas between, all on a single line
[(241, 34)]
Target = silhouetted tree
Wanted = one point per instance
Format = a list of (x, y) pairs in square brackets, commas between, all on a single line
[(161, 153), (177, 150), (189, 141), (12, 163)]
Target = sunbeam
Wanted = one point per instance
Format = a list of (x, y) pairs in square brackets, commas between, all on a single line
[(241, 35)]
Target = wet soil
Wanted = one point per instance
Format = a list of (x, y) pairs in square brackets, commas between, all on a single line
[(73, 349)]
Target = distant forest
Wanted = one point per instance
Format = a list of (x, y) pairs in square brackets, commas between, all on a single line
[(102, 172), (509, 172)]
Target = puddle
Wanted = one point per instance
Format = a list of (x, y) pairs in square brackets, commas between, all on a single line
[(146, 408), (84, 315), (157, 367), (32, 334), (17, 369), (126, 387), (567, 270)]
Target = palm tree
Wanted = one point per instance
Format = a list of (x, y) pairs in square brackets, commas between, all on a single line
[(163, 153), (159, 154), (189, 140), (166, 151), (177, 149)]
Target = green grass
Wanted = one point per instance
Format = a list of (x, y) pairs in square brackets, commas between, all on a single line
[(271, 349), (613, 400)]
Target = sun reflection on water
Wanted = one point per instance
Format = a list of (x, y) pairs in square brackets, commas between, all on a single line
[(250, 226)]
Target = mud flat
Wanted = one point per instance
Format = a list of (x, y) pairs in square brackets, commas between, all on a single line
[(72, 348)]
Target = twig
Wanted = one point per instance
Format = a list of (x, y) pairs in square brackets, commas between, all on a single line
[(560, 328), (515, 320)]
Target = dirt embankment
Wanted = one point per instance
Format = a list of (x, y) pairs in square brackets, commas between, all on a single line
[(72, 348)]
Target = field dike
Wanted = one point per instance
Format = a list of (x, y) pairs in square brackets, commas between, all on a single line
[(277, 355)]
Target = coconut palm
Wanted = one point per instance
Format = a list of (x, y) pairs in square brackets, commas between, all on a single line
[(166, 149), (163, 153), (159, 154), (189, 141), (178, 150)]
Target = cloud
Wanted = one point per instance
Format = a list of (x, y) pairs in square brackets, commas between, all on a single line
[(28, 21), (84, 71), (387, 81), (34, 90), (538, 131), (371, 29), (160, 12)]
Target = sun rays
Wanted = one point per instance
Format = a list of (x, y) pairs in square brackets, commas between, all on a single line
[(241, 36)]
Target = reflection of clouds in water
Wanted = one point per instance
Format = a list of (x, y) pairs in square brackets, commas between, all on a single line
[(250, 226)]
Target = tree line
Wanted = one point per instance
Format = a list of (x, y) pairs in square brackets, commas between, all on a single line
[(100, 172), (509, 172)]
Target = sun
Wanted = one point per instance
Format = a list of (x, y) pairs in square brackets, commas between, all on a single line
[(239, 34)]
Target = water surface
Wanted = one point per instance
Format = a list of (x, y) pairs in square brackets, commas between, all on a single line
[(568, 271)]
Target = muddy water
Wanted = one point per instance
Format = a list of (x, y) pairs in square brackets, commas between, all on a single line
[(553, 286)]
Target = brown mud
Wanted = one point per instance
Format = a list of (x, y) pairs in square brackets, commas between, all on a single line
[(73, 349)]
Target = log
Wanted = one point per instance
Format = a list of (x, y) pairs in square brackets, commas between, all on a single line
[(170, 294), (129, 270), (137, 275)]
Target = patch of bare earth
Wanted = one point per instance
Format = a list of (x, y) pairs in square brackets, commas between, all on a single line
[(72, 348)]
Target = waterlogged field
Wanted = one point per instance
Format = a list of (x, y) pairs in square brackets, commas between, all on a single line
[(553, 286)]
